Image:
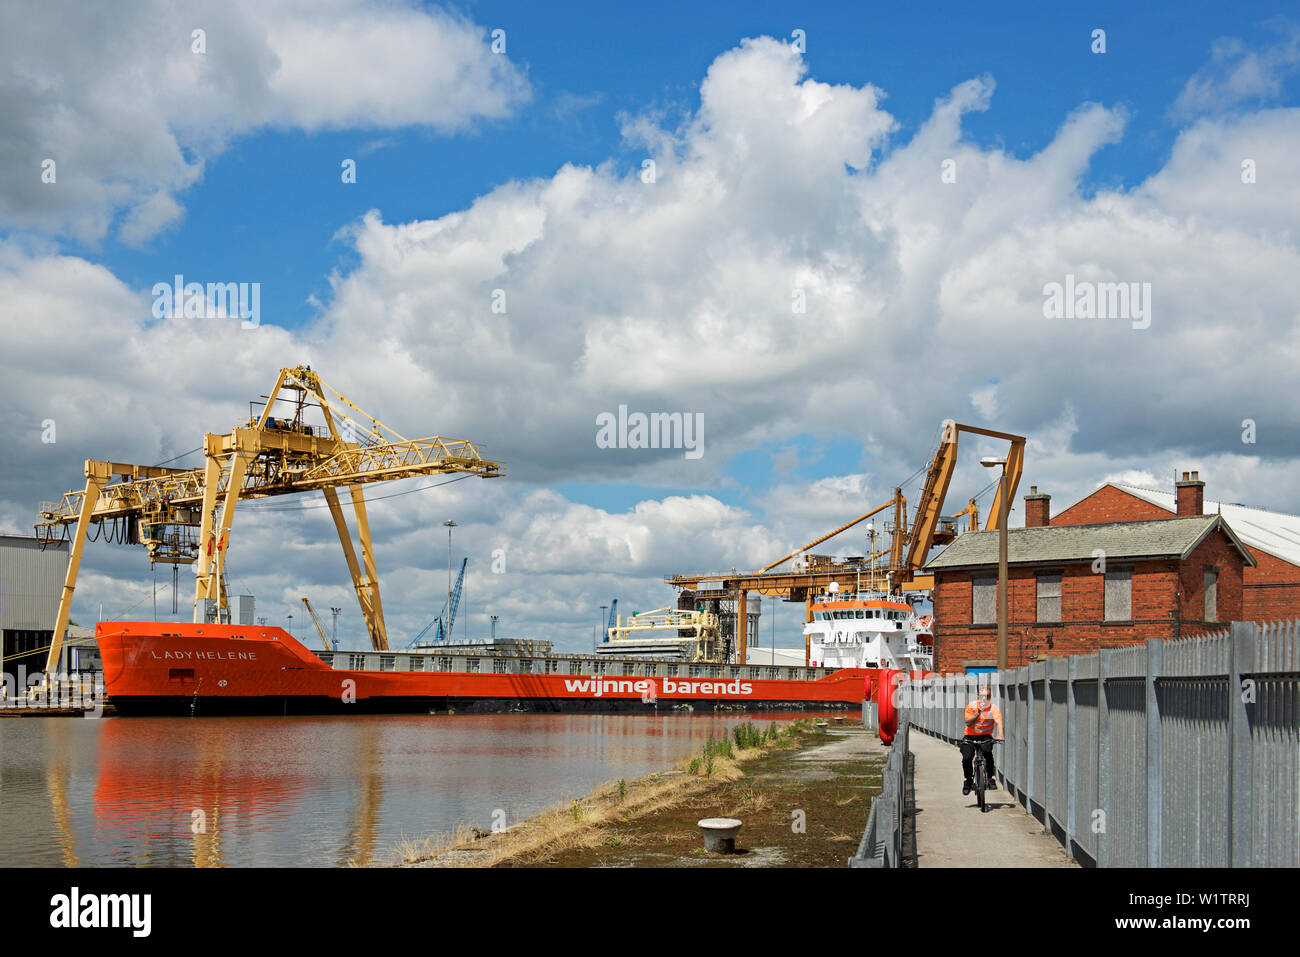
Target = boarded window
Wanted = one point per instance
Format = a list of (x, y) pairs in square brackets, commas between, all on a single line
[(1211, 594), (1119, 594), (984, 600), (1049, 596)]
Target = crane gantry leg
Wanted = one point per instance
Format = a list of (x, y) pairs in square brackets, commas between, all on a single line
[(97, 476), (211, 478), (212, 545), (367, 586), (368, 556), (217, 576), (742, 627)]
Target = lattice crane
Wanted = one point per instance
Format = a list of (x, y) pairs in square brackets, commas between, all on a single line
[(185, 515), (443, 624)]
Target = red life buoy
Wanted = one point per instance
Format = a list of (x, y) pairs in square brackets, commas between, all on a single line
[(886, 713)]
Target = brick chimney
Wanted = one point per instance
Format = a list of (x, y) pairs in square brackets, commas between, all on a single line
[(1038, 508), (1191, 495)]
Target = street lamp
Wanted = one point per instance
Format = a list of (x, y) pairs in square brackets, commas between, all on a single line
[(334, 639), (989, 462), (291, 626), (449, 525)]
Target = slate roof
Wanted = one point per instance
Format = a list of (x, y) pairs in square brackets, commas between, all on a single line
[(1154, 539), (1276, 533)]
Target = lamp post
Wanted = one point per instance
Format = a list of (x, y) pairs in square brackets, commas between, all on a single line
[(291, 626), (989, 463), (334, 639), (449, 525)]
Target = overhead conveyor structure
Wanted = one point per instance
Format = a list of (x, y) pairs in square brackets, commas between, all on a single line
[(185, 515)]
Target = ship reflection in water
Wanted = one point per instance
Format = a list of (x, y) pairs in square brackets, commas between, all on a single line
[(305, 791)]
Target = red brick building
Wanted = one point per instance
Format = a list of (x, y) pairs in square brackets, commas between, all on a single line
[(1271, 586), (1075, 588)]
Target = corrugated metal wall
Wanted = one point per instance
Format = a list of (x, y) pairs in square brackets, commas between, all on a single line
[(31, 581)]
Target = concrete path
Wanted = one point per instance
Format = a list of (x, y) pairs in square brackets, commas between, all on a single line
[(951, 831)]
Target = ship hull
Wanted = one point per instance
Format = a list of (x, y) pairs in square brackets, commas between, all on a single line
[(183, 669)]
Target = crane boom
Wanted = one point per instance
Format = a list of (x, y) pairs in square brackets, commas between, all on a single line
[(455, 599), (442, 626), (938, 477), (818, 541), (316, 621), (184, 516)]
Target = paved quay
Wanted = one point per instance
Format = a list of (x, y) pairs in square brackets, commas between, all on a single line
[(951, 831)]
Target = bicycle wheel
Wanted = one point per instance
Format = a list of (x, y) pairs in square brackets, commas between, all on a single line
[(981, 778)]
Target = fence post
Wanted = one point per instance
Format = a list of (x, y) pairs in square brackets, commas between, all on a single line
[(1154, 665), (1071, 754), (1241, 647), (1022, 733), (1002, 749), (1103, 758), (1031, 744), (1049, 756)]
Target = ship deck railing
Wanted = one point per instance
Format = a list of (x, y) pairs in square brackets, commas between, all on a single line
[(568, 665)]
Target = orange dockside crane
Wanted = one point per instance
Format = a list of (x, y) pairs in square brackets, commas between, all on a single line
[(908, 549)]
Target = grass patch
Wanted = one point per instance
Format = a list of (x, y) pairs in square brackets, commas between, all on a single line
[(588, 823)]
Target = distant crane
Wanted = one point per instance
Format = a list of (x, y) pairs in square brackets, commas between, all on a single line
[(316, 621), (613, 619), (442, 624)]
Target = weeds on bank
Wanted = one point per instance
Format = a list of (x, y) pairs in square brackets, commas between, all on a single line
[(578, 825)]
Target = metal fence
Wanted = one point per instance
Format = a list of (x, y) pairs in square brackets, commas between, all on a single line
[(882, 841), (1169, 754)]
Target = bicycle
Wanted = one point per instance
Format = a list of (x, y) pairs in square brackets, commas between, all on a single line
[(980, 774)]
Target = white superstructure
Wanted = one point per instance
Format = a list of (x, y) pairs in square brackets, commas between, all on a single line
[(868, 629)]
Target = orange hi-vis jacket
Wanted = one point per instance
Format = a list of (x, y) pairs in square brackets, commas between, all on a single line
[(984, 720)]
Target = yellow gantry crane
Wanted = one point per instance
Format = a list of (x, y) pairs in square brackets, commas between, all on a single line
[(184, 516)]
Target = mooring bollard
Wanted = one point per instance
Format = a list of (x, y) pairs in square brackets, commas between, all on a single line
[(720, 834), (839, 719)]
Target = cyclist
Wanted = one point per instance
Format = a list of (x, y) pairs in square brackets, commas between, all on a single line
[(982, 715)]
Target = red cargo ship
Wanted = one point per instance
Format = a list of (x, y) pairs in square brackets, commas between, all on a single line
[(207, 669)]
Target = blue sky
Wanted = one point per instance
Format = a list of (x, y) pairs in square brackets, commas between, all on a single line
[(272, 203), (933, 294)]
